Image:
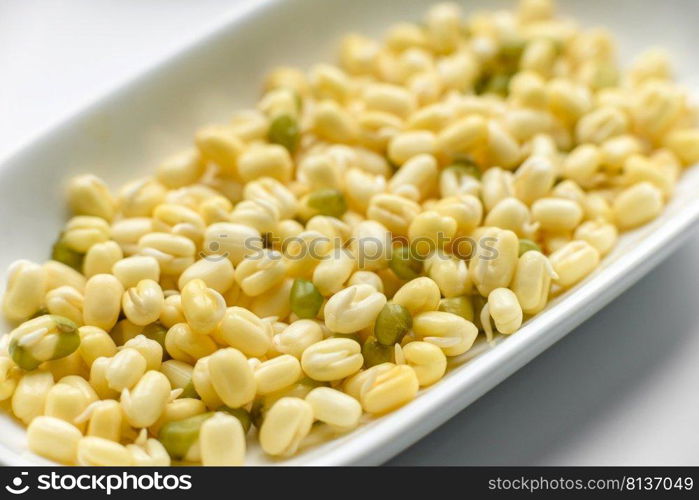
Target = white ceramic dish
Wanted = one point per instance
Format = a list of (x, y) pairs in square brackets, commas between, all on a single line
[(125, 133)]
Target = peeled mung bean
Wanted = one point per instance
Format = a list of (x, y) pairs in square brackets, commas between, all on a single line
[(231, 377), (97, 451), (297, 337), (573, 262), (532, 281), (453, 334), (243, 330), (427, 360), (390, 390), (335, 408), (637, 205), (125, 369), (102, 301), (494, 262), (332, 359), (26, 287), (285, 425), (222, 441), (505, 310), (353, 308), (143, 303), (54, 439), (277, 373), (145, 402)]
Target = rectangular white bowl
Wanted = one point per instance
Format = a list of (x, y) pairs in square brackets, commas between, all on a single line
[(124, 134)]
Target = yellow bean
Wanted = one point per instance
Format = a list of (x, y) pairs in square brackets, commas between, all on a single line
[(89, 195), (174, 253), (277, 373), (333, 123), (222, 441), (451, 333), (371, 245), (513, 215), (257, 274), (274, 302), (557, 214), (573, 262), (26, 288), (390, 99), (182, 169), (231, 377), (366, 278), (145, 402), (390, 390), (463, 136), (495, 259), (125, 369), (220, 145), (143, 303), (599, 234), (97, 451), (59, 274), (353, 308), (427, 360), (331, 273), (601, 124), (184, 345), (532, 281), (287, 422), (449, 273), (83, 231), (416, 179), (54, 439), (65, 301), (67, 402), (334, 408), (29, 397), (505, 310), (534, 179), (150, 349), (243, 330), (234, 242), (498, 184), (393, 211), (637, 205), (271, 160), (418, 295), (297, 337), (105, 420), (172, 311), (430, 231), (100, 258), (332, 359), (203, 307), (685, 144), (582, 164), (405, 146), (98, 378), (270, 189), (148, 452)]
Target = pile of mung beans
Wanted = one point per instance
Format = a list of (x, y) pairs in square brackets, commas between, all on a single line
[(316, 260)]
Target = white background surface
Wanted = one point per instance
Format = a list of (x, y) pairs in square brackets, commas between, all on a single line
[(620, 389)]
